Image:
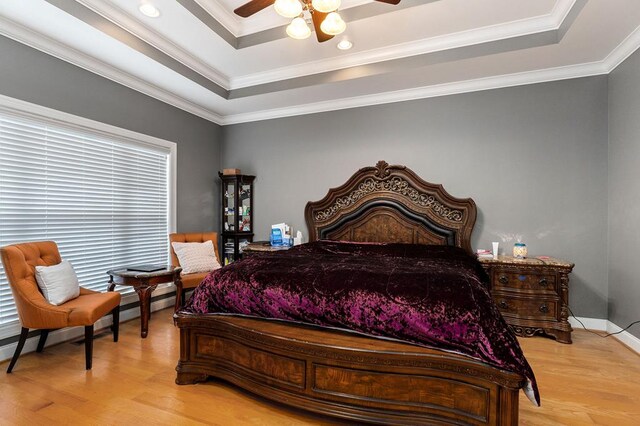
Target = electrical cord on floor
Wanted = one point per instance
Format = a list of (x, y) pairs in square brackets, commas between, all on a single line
[(598, 334)]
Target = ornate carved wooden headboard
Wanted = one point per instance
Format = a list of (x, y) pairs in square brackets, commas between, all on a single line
[(391, 204)]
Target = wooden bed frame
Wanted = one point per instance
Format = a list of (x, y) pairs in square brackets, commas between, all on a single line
[(346, 375)]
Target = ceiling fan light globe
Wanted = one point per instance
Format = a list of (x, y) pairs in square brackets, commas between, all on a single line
[(333, 24), (298, 29), (325, 6), (288, 8)]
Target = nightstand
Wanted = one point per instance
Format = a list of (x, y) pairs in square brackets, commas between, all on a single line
[(261, 247), (532, 294)]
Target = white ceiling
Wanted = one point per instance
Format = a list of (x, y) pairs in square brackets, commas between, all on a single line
[(202, 58)]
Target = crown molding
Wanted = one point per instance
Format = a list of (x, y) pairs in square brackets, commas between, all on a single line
[(625, 49), (496, 82), (47, 45), (222, 15), (549, 22), (561, 10), (523, 27), (122, 19), (126, 38), (61, 51), (237, 26)]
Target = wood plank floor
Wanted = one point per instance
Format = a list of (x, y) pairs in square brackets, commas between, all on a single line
[(594, 381)]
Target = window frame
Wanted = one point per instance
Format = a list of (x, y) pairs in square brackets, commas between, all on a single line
[(54, 117)]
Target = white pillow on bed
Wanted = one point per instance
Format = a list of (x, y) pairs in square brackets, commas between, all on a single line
[(59, 283), (196, 257)]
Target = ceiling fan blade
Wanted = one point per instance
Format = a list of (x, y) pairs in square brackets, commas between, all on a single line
[(252, 7), (389, 1), (317, 18)]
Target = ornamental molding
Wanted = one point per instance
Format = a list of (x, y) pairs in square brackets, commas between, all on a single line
[(527, 331), (382, 170), (384, 182)]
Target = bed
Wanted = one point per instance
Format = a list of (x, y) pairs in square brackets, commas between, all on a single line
[(350, 374)]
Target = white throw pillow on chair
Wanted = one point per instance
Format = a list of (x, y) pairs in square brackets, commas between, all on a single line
[(196, 257), (58, 283)]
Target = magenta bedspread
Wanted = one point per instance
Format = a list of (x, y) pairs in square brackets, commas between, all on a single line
[(435, 296)]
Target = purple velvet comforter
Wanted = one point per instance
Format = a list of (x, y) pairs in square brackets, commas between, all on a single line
[(435, 296)]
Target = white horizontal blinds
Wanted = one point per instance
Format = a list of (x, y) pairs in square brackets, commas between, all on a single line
[(103, 201)]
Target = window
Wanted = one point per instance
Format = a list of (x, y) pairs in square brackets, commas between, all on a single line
[(103, 194)]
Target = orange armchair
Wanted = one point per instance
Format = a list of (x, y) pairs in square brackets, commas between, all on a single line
[(190, 281), (35, 311)]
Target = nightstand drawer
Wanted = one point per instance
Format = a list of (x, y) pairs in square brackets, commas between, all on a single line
[(510, 280), (527, 308)]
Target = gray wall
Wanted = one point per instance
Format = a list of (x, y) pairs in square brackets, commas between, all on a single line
[(534, 158), (624, 193), (33, 76)]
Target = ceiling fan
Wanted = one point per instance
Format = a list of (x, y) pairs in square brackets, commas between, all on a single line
[(326, 21)]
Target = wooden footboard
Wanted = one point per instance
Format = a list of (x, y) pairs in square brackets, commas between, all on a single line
[(345, 375)]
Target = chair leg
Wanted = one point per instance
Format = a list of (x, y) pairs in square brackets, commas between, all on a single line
[(23, 338), (43, 339), (115, 327), (88, 345)]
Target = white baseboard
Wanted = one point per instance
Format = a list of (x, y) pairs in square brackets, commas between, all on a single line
[(625, 337), (66, 334), (599, 324)]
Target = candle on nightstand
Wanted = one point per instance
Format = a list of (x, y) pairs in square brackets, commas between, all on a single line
[(520, 250)]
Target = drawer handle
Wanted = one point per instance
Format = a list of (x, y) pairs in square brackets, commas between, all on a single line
[(544, 308), (503, 279), (543, 283), (503, 305)]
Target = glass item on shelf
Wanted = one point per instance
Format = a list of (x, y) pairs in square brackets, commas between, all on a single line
[(520, 250)]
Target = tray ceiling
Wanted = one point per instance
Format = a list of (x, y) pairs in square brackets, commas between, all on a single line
[(199, 56)]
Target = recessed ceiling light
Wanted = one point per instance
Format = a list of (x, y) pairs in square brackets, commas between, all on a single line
[(345, 45), (149, 10)]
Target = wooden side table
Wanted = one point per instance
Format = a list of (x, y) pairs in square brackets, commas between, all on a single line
[(143, 283), (261, 247), (532, 294)]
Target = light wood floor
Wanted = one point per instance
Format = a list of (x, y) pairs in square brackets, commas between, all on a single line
[(593, 381)]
